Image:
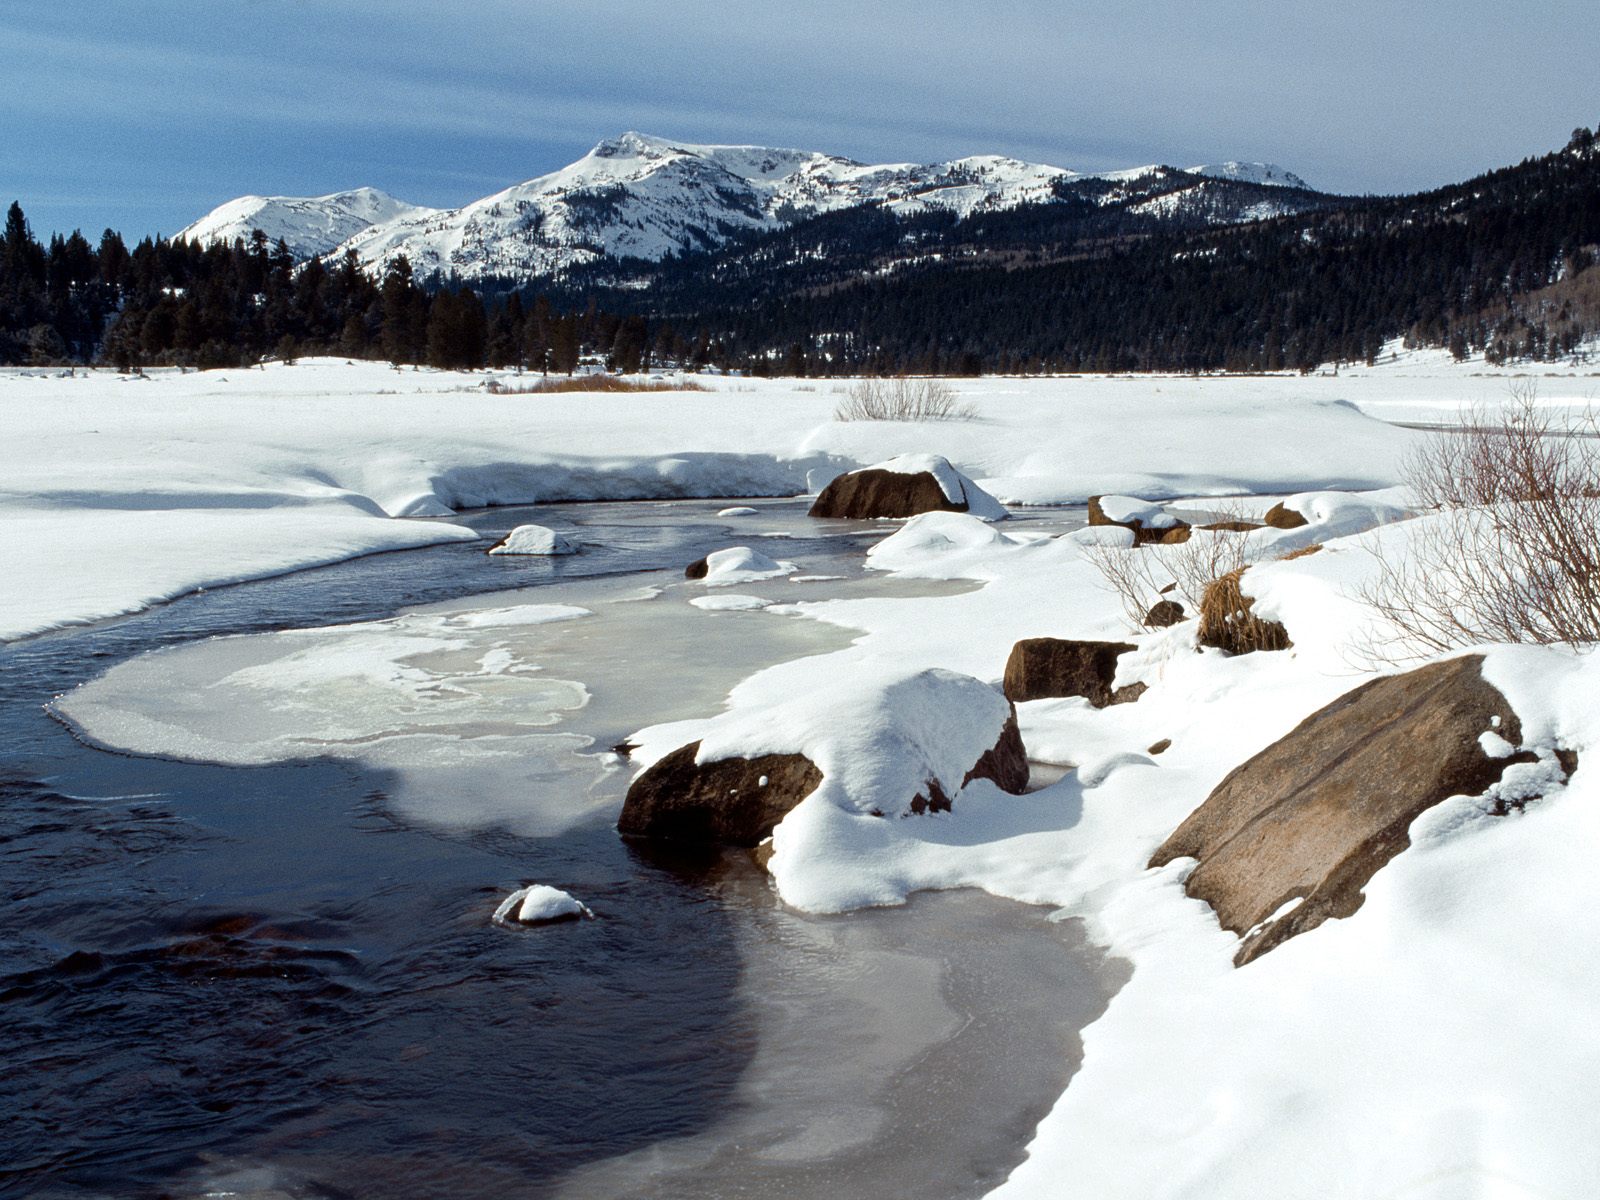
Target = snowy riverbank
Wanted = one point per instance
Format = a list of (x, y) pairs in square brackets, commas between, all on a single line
[(116, 492), (1437, 1042)]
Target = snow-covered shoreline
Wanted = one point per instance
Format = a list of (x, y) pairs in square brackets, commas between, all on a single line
[(117, 493), (1438, 1042)]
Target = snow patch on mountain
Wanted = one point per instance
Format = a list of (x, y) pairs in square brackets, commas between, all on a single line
[(1270, 174), (308, 225)]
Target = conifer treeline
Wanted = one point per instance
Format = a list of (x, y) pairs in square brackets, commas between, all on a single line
[(1504, 264), (184, 304)]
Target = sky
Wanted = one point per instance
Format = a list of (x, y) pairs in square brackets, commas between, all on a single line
[(142, 115)]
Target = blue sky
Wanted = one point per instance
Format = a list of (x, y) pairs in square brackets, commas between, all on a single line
[(143, 114)]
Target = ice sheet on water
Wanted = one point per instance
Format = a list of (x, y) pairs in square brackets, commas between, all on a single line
[(478, 713)]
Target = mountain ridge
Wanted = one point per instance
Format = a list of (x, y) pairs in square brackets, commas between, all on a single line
[(640, 196)]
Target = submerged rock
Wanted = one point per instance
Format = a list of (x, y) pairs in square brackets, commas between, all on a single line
[(1316, 814), (1046, 668), (539, 904)]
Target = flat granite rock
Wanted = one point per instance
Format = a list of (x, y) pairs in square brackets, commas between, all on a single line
[(1316, 814)]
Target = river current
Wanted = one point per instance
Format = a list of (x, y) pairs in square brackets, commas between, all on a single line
[(280, 978)]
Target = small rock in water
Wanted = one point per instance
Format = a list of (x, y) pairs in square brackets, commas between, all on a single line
[(539, 904), (534, 539)]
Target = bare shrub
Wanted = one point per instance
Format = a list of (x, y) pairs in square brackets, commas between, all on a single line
[(1512, 552), (902, 399), (1140, 576)]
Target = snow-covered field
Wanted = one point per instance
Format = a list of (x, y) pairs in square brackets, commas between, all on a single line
[(1438, 1043), (116, 493)]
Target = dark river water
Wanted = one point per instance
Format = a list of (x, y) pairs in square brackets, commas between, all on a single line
[(270, 981)]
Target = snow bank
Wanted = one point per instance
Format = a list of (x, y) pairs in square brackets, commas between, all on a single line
[(933, 541), (1437, 1042), (741, 564), (194, 480), (534, 539), (539, 904), (185, 480)]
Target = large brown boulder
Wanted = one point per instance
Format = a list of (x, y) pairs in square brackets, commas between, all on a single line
[(733, 801), (739, 801), (1317, 813), (1044, 668), (872, 493)]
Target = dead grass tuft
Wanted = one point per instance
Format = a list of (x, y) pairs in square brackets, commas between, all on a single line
[(1227, 623), (591, 383)]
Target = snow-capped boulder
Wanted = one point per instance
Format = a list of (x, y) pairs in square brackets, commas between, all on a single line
[(890, 744), (1149, 522), (737, 564), (1045, 668), (905, 486), (933, 538), (533, 539), (539, 904), (1289, 838)]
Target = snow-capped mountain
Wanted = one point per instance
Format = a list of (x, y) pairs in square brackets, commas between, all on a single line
[(646, 197), (643, 197), (308, 225), (1269, 174)]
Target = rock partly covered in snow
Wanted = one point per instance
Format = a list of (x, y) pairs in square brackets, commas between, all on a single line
[(534, 539), (737, 564), (1044, 668), (1149, 522), (905, 486), (883, 743), (539, 904), (1289, 838)]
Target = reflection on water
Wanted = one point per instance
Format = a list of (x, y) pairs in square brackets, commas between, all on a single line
[(277, 978)]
